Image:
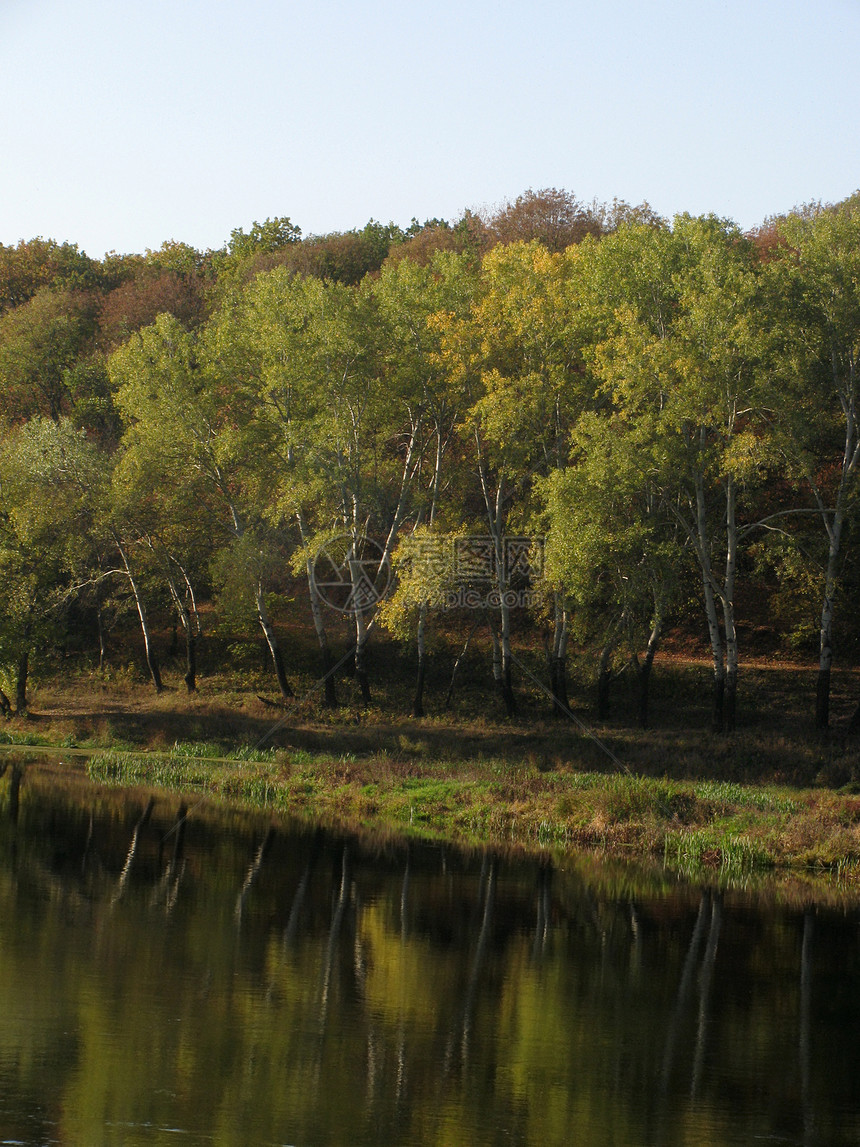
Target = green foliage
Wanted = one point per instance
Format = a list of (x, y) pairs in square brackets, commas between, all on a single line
[(272, 235)]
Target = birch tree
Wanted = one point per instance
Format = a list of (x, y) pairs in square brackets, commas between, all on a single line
[(200, 432), (813, 328), (684, 370), (518, 359)]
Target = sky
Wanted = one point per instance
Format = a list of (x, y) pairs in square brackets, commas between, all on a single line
[(128, 123)]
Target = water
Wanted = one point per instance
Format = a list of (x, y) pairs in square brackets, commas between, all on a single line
[(237, 980)]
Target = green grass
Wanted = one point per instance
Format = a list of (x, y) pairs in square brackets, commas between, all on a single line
[(694, 826), (761, 797)]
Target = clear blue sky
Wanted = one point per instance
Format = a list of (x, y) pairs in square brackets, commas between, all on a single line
[(124, 123)]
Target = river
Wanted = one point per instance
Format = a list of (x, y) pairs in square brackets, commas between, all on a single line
[(174, 972)]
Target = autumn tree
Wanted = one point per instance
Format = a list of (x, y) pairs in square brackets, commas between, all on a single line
[(40, 342), (679, 359), (812, 327), (555, 218)]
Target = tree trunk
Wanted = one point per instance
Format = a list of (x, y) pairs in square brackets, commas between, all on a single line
[(151, 660), (604, 675), (272, 642), (5, 705), (357, 580), (717, 651), (101, 635), (330, 690), (418, 699), (361, 636), (825, 653), (191, 628), (190, 677), (503, 584), (644, 670), (558, 685), (458, 662), (557, 657), (604, 680), (501, 672), (850, 456), (730, 697)]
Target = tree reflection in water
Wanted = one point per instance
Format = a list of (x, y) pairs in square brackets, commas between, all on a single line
[(248, 981)]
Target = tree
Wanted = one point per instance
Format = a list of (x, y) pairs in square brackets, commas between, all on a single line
[(680, 359), (36, 263), (199, 433), (556, 219), (517, 359), (40, 341), (272, 235), (411, 297), (612, 546), (45, 535), (814, 276)]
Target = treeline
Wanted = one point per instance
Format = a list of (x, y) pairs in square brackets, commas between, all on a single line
[(672, 407)]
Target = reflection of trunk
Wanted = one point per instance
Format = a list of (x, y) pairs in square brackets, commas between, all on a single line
[(168, 889), (132, 848), (806, 1028), (459, 661), (706, 976), (543, 911), (178, 833), (478, 962), (404, 900), (684, 988), (151, 660), (251, 875), (272, 641), (298, 901), (334, 936), (14, 791)]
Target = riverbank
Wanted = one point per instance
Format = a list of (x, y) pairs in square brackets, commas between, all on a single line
[(774, 794), (691, 825)]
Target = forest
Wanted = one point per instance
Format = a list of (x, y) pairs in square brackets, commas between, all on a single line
[(556, 424)]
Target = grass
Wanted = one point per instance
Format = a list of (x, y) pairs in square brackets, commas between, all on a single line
[(775, 793), (691, 825)]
